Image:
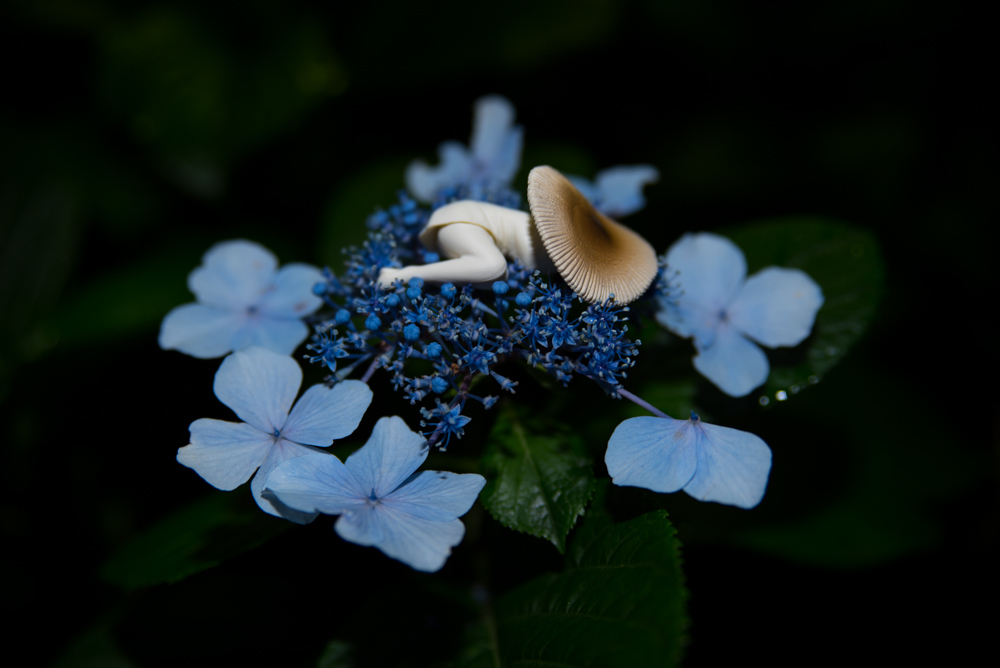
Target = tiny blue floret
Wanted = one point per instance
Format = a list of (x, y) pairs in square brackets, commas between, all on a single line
[(373, 322), (411, 332), (523, 299), (433, 350), (342, 317), (500, 287)]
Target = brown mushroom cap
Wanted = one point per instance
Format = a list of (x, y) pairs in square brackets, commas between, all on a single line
[(595, 255)]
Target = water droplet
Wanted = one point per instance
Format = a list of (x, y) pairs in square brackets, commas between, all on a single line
[(794, 389), (764, 401), (813, 379), (780, 395)]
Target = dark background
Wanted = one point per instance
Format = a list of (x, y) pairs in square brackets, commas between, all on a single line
[(134, 135)]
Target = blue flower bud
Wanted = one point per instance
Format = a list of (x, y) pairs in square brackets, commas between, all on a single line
[(343, 316), (373, 322), (431, 257), (416, 282), (319, 289), (392, 300), (500, 288), (448, 291), (439, 384), (413, 292), (411, 332), (434, 350), (523, 299)]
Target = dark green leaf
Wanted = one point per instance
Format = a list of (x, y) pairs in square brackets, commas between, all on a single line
[(619, 602), (337, 654), (220, 526), (539, 477), (847, 264)]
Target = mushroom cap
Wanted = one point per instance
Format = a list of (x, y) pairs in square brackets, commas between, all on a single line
[(595, 255)]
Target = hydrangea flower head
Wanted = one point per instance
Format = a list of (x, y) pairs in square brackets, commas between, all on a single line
[(381, 500), (260, 386), (492, 158), (728, 314), (708, 462), (617, 191), (243, 301)]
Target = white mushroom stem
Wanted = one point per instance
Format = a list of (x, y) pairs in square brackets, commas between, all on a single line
[(473, 258)]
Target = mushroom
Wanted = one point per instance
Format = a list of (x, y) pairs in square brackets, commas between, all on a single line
[(595, 255)]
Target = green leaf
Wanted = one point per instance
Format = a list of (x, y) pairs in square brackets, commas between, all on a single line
[(673, 397), (337, 654), (619, 601), (207, 532), (847, 264), (539, 477)]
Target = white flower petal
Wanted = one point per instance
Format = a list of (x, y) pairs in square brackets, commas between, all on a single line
[(652, 452), (438, 496), (278, 336), (323, 414), (225, 454), (777, 306), (734, 363), (281, 452), (621, 188), (201, 331), (388, 458), (291, 295), (733, 467), (259, 386), (233, 275)]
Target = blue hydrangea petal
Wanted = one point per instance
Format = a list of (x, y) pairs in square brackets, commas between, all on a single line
[(259, 385), (685, 318), (454, 168), (225, 454), (621, 188), (494, 137), (420, 544), (233, 274), (201, 331), (316, 482), (389, 457), (777, 306), (437, 496), (712, 270), (586, 187), (278, 336), (325, 414), (655, 453), (733, 467), (361, 525), (292, 293), (280, 452), (734, 363)]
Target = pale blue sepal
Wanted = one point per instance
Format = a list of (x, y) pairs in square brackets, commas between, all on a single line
[(279, 336), (200, 331), (224, 454), (711, 270), (777, 306), (496, 142), (733, 362), (259, 385), (361, 525), (316, 482), (437, 496), (388, 458), (233, 274), (651, 452), (424, 181), (620, 188), (733, 466), (325, 414), (421, 544), (291, 296), (281, 452)]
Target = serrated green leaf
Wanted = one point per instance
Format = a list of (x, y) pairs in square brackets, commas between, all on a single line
[(619, 602), (205, 533), (847, 264), (539, 476)]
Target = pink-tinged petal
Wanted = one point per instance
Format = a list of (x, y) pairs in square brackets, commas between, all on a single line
[(325, 414), (225, 454), (233, 275), (291, 296), (259, 386), (655, 453), (711, 270), (777, 306), (621, 188), (316, 482), (201, 331), (437, 496), (733, 467), (388, 458), (281, 452), (734, 363), (278, 336), (420, 544)]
